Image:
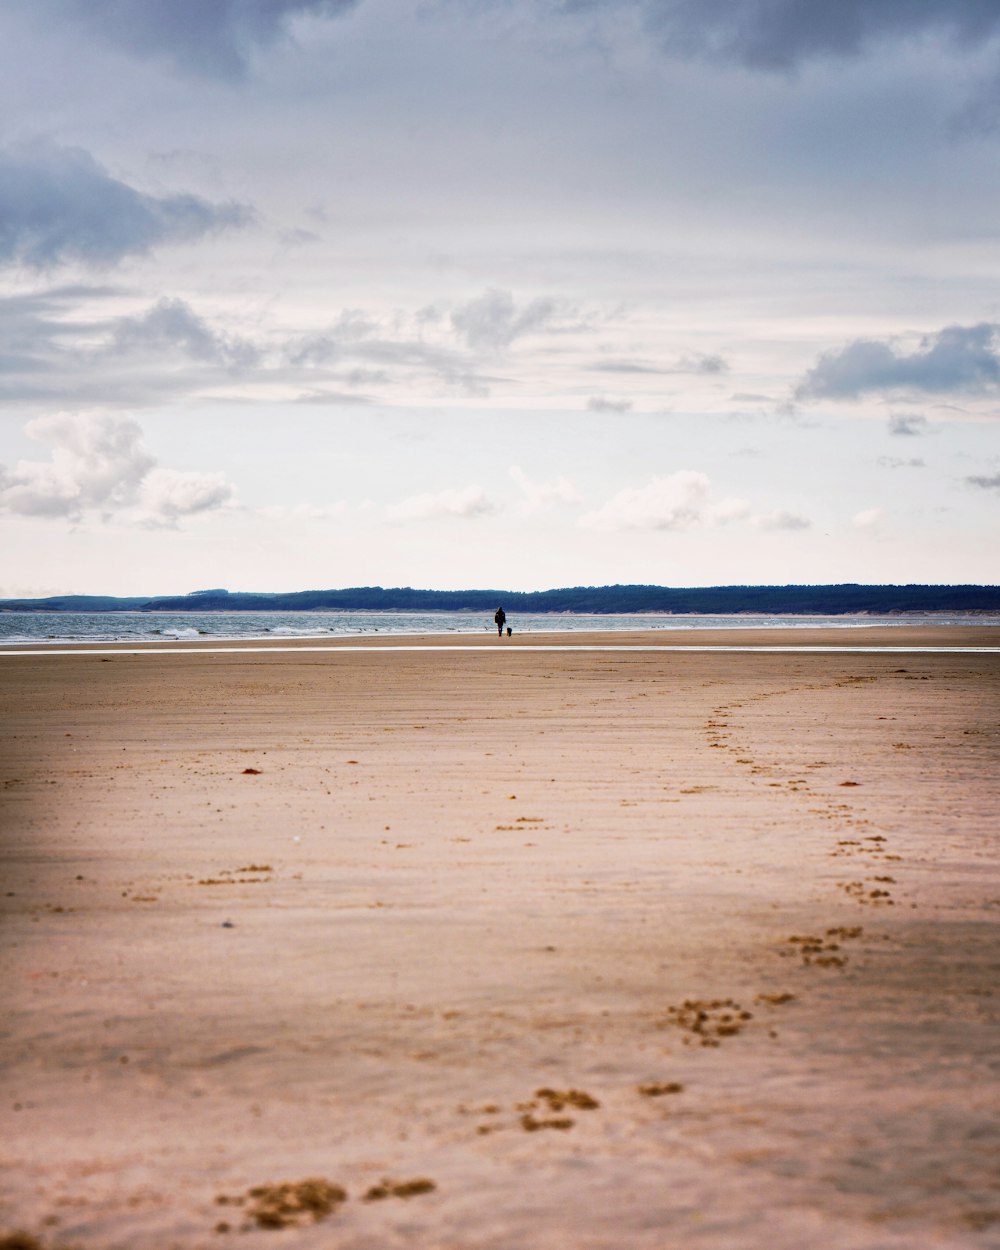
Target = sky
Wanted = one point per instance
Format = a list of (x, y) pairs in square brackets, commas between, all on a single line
[(301, 294)]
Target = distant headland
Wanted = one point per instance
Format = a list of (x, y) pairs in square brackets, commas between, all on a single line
[(830, 600)]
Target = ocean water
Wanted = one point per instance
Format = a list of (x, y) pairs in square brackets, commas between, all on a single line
[(55, 627)]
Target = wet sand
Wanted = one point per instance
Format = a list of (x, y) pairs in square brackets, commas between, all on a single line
[(503, 949)]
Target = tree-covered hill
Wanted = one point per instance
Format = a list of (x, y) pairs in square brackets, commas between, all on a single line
[(805, 600)]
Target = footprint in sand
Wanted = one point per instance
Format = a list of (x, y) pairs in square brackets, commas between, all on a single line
[(547, 1101), (399, 1189), (288, 1204), (825, 951), (709, 1020), (656, 1089)]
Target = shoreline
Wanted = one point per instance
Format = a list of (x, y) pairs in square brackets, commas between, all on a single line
[(871, 637), (295, 914)]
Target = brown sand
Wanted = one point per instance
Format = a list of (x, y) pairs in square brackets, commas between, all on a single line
[(502, 950)]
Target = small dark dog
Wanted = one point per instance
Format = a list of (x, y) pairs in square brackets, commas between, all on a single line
[(509, 631)]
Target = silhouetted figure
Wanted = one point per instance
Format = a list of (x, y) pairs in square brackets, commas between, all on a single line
[(500, 617)]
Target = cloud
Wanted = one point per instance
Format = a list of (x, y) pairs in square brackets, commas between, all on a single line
[(171, 325), (493, 321), (868, 518), (34, 332), (59, 347), (707, 364), (455, 503), (59, 205), (306, 511), (782, 34), (210, 37), (168, 494), (603, 403), (370, 353), (537, 496), (897, 462), (63, 350), (906, 426), (985, 482), (100, 467), (782, 520), (957, 358), (626, 366), (680, 501)]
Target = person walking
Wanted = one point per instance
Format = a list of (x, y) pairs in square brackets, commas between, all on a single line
[(499, 618)]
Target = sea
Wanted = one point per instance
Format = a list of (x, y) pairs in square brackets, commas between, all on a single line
[(34, 628)]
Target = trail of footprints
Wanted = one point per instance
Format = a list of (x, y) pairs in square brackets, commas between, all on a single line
[(296, 1204), (707, 1023), (293, 1204), (872, 890)]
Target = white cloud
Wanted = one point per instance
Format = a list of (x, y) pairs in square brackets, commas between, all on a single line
[(454, 503), (305, 511), (680, 501), (780, 519), (169, 494), (537, 496), (97, 463), (100, 467), (868, 519)]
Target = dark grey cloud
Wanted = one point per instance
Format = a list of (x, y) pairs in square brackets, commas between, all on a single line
[(604, 403), (985, 481), (215, 38), (709, 364), (61, 348), (171, 325), (626, 366), (494, 321), (358, 351), (38, 330), (957, 358), (906, 426), (782, 34), (60, 205)]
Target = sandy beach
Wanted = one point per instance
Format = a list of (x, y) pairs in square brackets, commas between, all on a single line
[(503, 949)]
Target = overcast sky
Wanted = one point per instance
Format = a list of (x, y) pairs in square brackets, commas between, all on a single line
[(533, 293)]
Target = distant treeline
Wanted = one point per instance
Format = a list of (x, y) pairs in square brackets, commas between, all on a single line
[(784, 600)]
